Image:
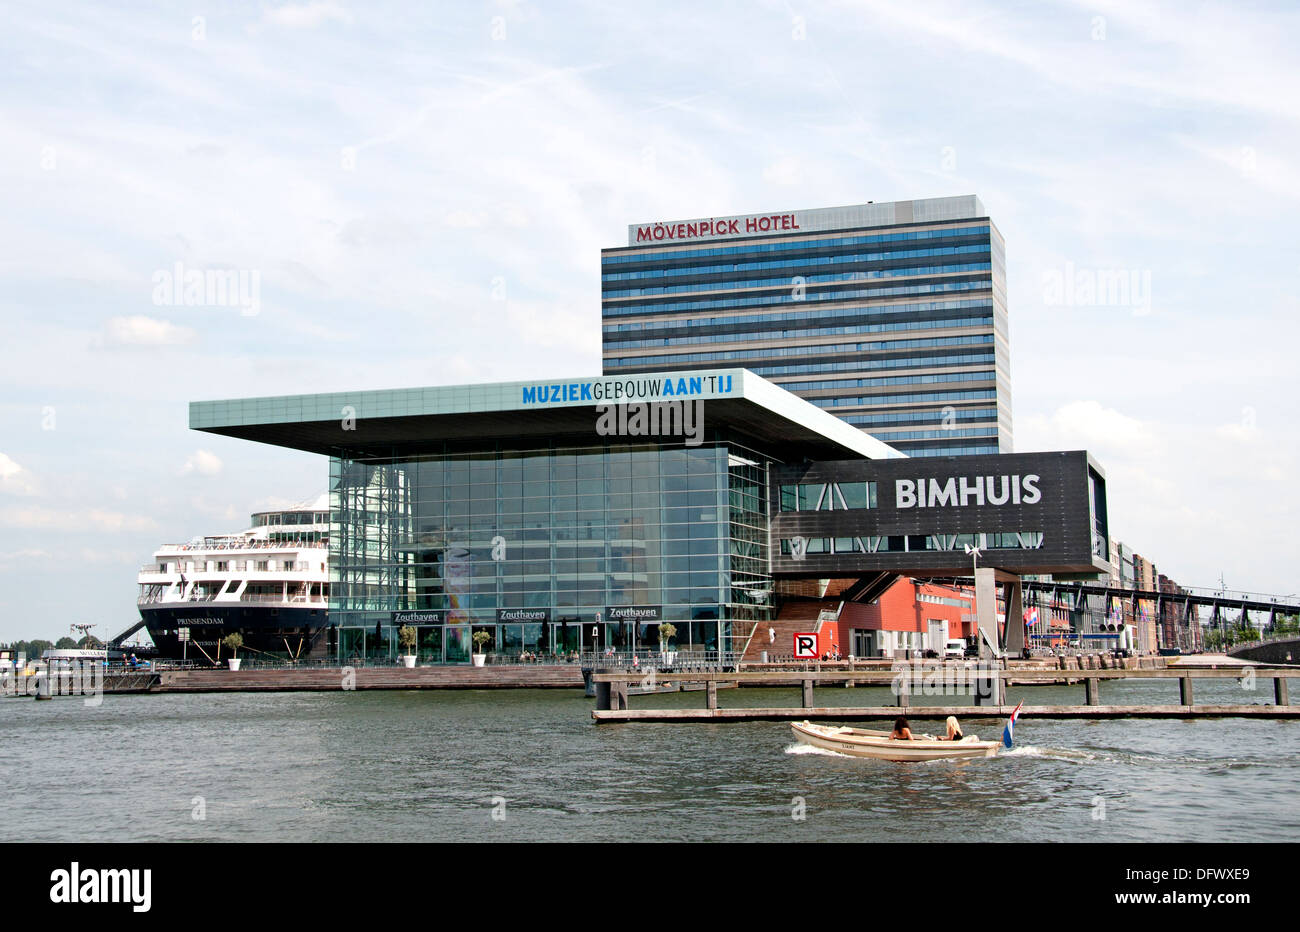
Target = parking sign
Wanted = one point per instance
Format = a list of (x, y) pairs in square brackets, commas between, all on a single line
[(805, 647)]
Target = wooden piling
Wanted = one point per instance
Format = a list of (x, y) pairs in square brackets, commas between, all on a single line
[(1091, 688), (807, 694), (1280, 693), (711, 694), (1185, 690)]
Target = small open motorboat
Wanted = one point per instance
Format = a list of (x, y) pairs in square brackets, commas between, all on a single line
[(860, 742)]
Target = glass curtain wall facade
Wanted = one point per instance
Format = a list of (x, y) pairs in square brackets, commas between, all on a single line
[(900, 330), (542, 548)]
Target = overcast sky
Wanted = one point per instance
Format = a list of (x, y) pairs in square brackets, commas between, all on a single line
[(422, 196)]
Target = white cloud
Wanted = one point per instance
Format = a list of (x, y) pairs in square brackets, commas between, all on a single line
[(1088, 425), (787, 170), (22, 556), (465, 219), (306, 15), (202, 462), (14, 479), (92, 519), (138, 330)]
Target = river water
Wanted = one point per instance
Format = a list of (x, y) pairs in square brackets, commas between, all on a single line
[(525, 765)]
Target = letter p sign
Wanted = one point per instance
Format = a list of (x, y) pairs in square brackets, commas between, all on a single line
[(805, 647)]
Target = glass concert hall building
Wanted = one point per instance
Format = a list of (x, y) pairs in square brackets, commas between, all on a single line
[(522, 509), (891, 315)]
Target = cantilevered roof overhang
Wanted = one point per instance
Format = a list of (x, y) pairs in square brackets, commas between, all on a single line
[(532, 413)]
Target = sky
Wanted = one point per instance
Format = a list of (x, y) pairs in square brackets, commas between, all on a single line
[(419, 196)]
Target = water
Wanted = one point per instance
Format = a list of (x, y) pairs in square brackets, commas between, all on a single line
[(427, 766)]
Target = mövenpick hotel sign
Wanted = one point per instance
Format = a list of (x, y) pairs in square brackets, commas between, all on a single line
[(814, 220)]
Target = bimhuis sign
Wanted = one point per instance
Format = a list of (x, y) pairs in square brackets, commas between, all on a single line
[(1029, 512)]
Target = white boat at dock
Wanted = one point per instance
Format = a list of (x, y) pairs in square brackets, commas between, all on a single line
[(861, 742)]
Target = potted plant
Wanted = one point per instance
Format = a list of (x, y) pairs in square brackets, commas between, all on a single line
[(406, 638), (480, 639), (667, 631), (233, 641)]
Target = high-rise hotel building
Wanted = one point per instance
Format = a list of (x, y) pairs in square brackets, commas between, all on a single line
[(892, 316)]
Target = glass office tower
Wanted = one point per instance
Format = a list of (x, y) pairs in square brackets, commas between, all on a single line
[(892, 316)]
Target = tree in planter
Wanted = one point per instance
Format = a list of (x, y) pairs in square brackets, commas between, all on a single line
[(667, 631), (481, 638), (233, 642), (406, 638)]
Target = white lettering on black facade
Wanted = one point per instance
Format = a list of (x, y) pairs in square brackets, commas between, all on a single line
[(964, 491)]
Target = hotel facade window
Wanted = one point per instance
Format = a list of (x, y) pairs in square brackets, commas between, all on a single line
[(825, 303)]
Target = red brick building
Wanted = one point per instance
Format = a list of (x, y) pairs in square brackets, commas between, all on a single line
[(911, 615)]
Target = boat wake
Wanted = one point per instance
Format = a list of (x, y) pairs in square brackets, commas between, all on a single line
[(801, 748), (1069, 754), (1118, 756)]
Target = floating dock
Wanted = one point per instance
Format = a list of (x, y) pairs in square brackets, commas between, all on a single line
[(889, 713), (300, 679), (986, 685), (325, 679)]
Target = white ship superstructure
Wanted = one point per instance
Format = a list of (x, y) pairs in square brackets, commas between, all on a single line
[(270, 583)]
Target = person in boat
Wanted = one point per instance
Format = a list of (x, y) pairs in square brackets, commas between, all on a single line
[(901, 730), (954, 730)]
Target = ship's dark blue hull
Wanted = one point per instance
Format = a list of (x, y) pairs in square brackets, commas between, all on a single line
[(279, 631)]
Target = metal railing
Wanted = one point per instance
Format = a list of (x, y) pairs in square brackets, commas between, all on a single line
[(251, 544), (679, 660), (293, 599)]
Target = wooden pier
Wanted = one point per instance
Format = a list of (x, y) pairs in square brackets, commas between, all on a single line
[(328, 679), (300, 679), (987, 686)]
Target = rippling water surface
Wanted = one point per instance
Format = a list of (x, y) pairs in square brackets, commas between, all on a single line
[(412, 766)]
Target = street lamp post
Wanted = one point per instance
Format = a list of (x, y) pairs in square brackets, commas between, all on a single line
[(974, 554)]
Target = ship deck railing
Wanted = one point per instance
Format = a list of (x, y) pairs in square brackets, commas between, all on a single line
[(253, 543)]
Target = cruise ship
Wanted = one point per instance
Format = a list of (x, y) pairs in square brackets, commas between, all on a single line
[(270, 583)]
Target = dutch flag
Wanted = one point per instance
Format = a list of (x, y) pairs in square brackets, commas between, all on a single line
[(1011, 725), (1031, 617)]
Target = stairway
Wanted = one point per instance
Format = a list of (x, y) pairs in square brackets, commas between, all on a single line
[(795, 617)]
